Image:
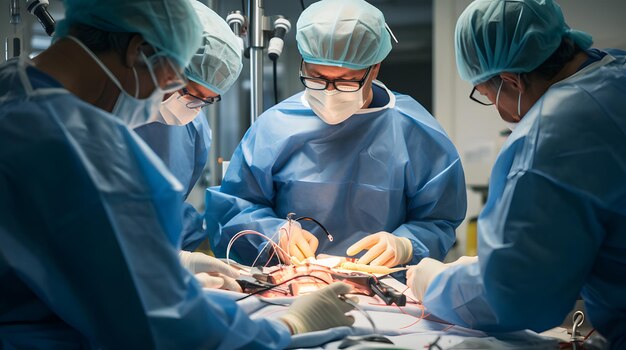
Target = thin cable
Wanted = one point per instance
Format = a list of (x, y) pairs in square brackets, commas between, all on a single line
[(302, 4), (275, 83), (348, 301), (306, 218), (361, 310), (271, 255), (243, 7), (421, 317), (280, 284), (391, 33), (589, 334), (249, 232)]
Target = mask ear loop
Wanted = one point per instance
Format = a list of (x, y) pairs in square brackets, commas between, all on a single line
[(104, 68), (136, 83), (498, 94), (519, 98), (150, 67)]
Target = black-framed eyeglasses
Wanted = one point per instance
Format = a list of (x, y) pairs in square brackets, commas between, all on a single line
[(477, 97), (193, 101), (339, 84)]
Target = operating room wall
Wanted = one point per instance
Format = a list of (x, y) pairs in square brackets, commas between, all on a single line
[(475, 129)]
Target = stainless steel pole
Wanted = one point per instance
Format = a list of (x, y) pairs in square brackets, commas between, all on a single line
[(256, 13)]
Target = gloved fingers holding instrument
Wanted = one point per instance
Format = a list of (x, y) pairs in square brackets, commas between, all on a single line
[(209, 271), (384, 249), (296, 242), (217, 281), (325, 308)]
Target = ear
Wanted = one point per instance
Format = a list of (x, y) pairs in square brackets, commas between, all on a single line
[(132, 51), (514, 80)]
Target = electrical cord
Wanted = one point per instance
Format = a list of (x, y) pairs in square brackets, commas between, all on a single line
[(361, 310), (275, 82), (355, 305), (306, 218), (302, 4), (280, 284)]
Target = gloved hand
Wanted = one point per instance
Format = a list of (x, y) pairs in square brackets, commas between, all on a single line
[(319, 310), (209, 271), (217, 282), (385, 249), (296, 242), (420, 276)]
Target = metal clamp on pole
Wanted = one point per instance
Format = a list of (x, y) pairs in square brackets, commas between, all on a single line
[(13, 44), (260, 31), (39, 8), (237, 23)]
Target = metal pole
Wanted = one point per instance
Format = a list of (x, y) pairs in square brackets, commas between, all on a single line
[(212, 115), (255, 11), (13, 44)]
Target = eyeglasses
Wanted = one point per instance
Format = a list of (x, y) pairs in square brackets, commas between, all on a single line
[(339, 84), (476, 96), (193, 101)]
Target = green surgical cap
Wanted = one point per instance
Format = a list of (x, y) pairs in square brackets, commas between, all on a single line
[(343, 33), (170, 26), (517, 36), (217, 63)]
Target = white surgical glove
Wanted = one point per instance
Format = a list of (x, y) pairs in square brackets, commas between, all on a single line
[(319, 310), (296, 242), (384, 249), (420, 276), (217, 282), (209, 271)]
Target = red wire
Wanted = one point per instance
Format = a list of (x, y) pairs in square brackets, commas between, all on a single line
[(416, 321)]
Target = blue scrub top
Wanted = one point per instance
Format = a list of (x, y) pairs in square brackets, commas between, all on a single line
[(184, 150), (390, 168), (554, 226), (88, 241)]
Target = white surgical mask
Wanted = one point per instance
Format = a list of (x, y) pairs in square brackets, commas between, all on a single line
[(132, 110), (174, 111), (334, 107)]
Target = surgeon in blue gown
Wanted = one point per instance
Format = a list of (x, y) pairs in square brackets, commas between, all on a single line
[(372, 166), (182, 136), (89, 231), (554, 226)]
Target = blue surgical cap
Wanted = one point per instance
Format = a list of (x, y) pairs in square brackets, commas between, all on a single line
[(517, 36), (217, 63), (170, 26), (343, 33)]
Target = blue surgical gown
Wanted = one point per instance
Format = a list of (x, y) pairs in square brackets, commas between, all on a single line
[(184, 150), (88, 255), (390, 168), (554, 225)]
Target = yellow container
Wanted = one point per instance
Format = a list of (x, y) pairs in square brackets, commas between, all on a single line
[(471, 246)]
